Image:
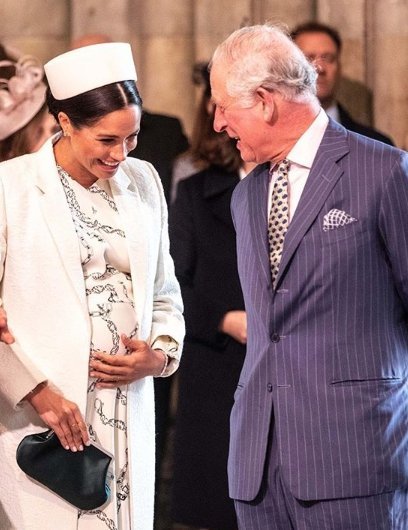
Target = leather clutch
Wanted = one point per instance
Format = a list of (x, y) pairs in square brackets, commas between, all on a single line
[(79, 478)]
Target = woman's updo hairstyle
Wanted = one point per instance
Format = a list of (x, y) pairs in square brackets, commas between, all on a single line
[(85, 109)]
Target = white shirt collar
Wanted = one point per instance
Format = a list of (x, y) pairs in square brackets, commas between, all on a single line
[(304, 151)]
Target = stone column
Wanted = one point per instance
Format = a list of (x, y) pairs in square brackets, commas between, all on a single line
[(289, 13), (349, 18), (214, 20), (93, 16), (388, 38), (35, 27), (161, 33)]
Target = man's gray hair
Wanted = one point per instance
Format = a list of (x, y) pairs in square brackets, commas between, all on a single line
[(265, 56)]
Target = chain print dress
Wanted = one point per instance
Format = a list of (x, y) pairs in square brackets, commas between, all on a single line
[(109, 294)]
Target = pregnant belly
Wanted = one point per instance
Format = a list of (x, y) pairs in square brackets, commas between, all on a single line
[(109, 321)]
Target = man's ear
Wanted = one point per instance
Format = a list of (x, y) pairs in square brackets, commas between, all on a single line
[(268, 103)]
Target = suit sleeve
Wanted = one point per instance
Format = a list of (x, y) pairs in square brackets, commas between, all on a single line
[(18, 375), (394, 224)]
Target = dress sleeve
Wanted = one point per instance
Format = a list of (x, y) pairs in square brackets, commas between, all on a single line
[(171, 349)]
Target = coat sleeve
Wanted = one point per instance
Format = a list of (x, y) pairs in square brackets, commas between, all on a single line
[(394, 224), (18, 375), (167, 318)]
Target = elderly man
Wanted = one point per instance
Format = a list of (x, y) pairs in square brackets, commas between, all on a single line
[(320, 420)]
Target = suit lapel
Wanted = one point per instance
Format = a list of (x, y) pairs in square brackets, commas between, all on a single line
[(58, 218), (323, 176), (258, 215)]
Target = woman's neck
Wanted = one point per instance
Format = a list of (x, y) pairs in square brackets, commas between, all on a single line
[(62, 150)]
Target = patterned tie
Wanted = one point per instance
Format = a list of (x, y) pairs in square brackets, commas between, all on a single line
[(278, 217)]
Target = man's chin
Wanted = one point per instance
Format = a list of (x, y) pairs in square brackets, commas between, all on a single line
[(246, 155), (246, 158)]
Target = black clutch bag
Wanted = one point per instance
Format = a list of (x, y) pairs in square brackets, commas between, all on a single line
[(79, 478)]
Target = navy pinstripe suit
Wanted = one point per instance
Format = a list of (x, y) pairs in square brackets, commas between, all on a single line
[(327, 350)]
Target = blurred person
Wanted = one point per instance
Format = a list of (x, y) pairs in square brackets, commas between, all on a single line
[(322, 45), (320, 418), (25, 123), (93, 305), (203, 248), (197, 156), (161, 153)]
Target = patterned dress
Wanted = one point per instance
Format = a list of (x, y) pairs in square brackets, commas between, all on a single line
[(106, 269)]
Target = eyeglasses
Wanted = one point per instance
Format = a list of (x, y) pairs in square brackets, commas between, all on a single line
[(325, 58)]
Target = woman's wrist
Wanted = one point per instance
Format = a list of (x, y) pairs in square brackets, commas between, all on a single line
[(164, 364), (35, 391)]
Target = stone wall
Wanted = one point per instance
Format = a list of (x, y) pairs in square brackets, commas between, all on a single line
[(168, 36)]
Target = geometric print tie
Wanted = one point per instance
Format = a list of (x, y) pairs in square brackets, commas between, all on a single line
[(278, 217)]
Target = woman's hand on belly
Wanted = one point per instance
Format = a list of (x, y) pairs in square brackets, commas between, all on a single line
[(61, 415), (112, 371)]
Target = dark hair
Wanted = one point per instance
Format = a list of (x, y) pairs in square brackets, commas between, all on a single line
[(201, 76), (84, 110), (207, 146), (318, 27)]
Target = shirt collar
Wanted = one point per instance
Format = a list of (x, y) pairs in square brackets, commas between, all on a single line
[(304, 151)]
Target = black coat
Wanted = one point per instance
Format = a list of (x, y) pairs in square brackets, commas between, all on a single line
[(347, 121), (202, 240), (160, 140)]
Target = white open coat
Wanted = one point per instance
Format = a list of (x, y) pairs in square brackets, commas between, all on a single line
[(43, 292)]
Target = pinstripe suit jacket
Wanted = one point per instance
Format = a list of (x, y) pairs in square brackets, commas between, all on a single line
[(327, 350)]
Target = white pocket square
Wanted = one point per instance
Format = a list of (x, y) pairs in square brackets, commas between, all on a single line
[(336, 218)]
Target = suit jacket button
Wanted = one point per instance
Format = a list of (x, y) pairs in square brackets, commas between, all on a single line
[(270, 387), (275, 337)]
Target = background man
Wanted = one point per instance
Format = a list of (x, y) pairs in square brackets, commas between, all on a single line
[(322, 46), (320, 420)]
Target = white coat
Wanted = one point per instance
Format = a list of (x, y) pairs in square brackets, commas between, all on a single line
[(43, 292)]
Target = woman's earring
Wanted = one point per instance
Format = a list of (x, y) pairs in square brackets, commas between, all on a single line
[(66, 134)]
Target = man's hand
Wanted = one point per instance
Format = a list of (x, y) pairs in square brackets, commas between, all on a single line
[(112, 371)]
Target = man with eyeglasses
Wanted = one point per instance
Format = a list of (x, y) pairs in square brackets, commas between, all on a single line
[(322, 46)]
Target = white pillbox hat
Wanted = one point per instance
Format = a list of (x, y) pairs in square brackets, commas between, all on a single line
[(83, 69)]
